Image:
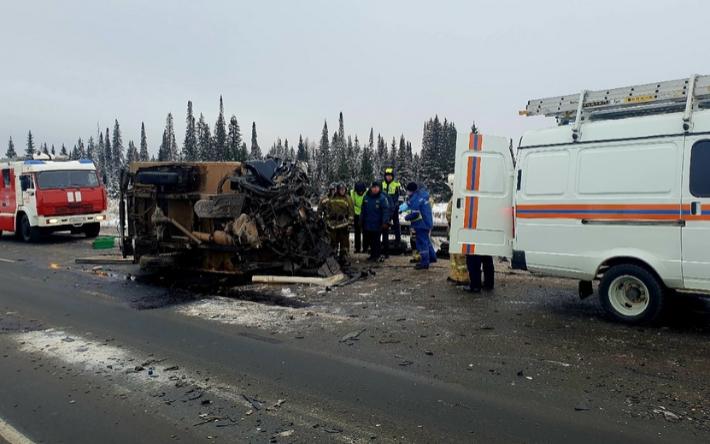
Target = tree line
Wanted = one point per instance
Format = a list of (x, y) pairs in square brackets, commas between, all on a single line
[(333, 158)]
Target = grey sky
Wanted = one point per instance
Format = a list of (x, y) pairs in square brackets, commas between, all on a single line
[(287, 65)]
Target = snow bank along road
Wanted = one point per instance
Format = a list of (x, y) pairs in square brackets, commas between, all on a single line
[(80, 364)]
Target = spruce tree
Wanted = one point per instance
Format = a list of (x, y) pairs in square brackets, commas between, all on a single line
[(108, 158), (367, 170), (168, 147), (90, 149), (381, 157), (144, 144), (392, 158), (243, 152), (336, 157), (324, 158), (220, 135), (80, 149), (101, 156), (45, 150), (132, 154), (189, 147), (117, 154), (204, 140), (10, 153), (62, 152), (234, 141), (30, 150), (255, 153), (346, 164), (301, 152)]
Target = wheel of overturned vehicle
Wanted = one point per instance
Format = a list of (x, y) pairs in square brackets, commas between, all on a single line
[(631, 294), (27, 231), (92, 230)]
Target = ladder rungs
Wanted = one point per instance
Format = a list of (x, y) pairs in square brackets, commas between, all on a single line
[(634, 98)]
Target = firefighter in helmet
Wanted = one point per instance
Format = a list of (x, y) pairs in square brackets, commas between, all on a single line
[(338, 217)]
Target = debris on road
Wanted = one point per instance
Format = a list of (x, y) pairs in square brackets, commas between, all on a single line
[(352, 336)]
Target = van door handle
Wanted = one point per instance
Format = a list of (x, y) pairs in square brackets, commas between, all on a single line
[(458, 203), (696, 209), (520, 179)]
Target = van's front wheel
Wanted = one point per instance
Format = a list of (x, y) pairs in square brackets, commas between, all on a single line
[(631, 294)]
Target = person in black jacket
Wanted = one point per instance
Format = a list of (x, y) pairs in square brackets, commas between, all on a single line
[(375, 217)]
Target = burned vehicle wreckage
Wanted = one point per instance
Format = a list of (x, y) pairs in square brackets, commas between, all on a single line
[(224, 217)]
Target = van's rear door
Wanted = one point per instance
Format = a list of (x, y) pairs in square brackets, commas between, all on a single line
[(482, 218)]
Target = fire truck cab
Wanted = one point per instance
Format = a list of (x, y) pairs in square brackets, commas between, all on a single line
[(42, 196)]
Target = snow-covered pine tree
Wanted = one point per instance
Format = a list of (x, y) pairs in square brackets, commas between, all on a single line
[(45, 150), (324, 158), (10, 153), (255, 153), (220, 135), (189, 147), (168, 148), (80, 149), (132, 155), (204, 140), (346, 168), (301, 152), (381, 157), (356, 156), (30, 150), (367, 168), (53, 152), (117, 153), (392, 157), (144, 144), (234, 140), (91, 149), (101, 157), (108, 160)]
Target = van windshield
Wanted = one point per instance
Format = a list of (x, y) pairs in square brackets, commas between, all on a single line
[(67, 179)]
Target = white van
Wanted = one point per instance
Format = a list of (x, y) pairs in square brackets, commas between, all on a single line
[(618, 192)]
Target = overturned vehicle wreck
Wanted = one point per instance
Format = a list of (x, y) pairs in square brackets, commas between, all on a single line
[(224, 217)]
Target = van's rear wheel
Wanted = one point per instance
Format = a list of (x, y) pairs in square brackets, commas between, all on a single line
[(92, 230), (631, 294), (28, 232)]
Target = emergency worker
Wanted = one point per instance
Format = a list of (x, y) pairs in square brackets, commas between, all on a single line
[(393, 190), (421, 219), (375, 218), (357, 195), (338, 217)]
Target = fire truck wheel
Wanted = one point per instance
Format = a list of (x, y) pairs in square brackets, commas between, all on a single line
[(92, 230), (631, 294), (28, 232)]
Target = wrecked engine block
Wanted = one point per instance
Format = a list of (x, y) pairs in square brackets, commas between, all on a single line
[(227, 217)]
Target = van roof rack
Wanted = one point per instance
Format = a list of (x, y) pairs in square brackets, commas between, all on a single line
[(684, 95)]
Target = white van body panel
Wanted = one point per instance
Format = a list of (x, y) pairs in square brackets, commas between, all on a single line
[(482, 214), (623, 191)]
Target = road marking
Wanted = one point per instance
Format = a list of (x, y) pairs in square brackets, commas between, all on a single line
[(9, 261), (11, 435)]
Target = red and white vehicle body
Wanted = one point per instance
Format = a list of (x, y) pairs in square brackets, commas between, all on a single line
[(620, 194), (38, 196)]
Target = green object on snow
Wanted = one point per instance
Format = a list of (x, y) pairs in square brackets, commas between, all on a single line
[(103, 242)]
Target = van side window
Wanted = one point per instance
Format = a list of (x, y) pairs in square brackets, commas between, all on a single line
[(26, 183), (6, 178), (700, 169)]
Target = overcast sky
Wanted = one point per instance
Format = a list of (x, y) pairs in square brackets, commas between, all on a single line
[(288, 65)]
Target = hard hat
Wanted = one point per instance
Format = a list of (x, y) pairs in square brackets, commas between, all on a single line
[(389, 170)]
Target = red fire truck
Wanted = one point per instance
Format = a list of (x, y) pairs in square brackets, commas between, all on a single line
[(41, 196)]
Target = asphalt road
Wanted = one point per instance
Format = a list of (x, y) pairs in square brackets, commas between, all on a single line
[(253, 386)]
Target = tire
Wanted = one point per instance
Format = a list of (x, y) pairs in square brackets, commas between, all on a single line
[(631, 294), (92, 230), (28, 233)]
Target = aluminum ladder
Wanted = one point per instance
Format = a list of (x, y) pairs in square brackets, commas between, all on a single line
[(684, 95)]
